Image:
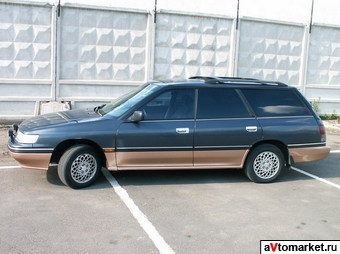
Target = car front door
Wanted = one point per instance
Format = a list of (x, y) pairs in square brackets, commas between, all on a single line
[(164, 138)]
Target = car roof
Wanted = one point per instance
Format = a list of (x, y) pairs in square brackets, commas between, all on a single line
[(204, 81)]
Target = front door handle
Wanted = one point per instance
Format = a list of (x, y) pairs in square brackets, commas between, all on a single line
[(251, 128), (182, 130)]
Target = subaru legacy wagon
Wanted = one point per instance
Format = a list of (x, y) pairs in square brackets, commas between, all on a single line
[(259, 126)]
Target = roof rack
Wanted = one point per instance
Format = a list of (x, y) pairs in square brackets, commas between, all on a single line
[(233, 80)]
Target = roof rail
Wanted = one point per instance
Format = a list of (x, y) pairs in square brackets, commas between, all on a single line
[(233, 80), (236, 78), (205, 78)]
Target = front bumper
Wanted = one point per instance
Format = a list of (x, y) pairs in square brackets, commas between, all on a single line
[(32, 160), (29, 157)]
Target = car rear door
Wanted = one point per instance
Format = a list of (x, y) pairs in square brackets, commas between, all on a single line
[(225, 129), (164, 139)]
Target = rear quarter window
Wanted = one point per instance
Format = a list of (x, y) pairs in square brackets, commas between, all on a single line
[(271, 103)]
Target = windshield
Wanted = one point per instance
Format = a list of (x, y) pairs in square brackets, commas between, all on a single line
[(123, 103)]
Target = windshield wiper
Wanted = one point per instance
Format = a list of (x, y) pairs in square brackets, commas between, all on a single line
[(96, 109)]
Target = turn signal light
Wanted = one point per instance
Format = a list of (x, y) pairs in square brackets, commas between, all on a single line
[(108, 150)]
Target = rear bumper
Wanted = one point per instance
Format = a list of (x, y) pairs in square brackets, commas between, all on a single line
[(309, 153)]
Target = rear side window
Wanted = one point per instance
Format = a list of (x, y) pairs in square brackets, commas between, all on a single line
[(268, 103), (220, 103)]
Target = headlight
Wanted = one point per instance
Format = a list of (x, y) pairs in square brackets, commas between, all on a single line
[(25, 138)]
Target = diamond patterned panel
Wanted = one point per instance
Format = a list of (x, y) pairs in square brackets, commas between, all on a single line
[(324, 56), (25, 42), (188, 46), (102, 45), (270, 51)]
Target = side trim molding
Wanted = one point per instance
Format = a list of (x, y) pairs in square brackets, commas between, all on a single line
[(181, 148), (306, 145), (152, 148), (30, 150), (237, 147)]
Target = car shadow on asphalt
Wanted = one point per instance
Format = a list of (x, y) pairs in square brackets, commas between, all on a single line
[(159, 177), (53, 178), (179, 177), (187, 177)]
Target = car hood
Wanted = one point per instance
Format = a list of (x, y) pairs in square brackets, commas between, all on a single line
[(57, 118)]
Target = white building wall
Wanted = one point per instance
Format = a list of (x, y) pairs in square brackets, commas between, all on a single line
[(93, 53)]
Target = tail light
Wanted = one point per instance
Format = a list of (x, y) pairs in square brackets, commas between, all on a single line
[(322, 132)]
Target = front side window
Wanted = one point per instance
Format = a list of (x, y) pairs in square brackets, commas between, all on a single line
[(220, 103), (122, 104), (170, 105), (269, 103)]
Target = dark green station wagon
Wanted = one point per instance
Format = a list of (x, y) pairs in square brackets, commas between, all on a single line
[(200, 123)]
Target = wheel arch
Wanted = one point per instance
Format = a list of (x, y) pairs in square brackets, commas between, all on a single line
[(283, 147), (66, 144)]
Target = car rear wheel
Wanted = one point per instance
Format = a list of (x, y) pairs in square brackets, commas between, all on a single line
[(264, 163), (79, 166)]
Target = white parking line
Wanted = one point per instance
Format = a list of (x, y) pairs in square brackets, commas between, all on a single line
[(316, 177), (143, 221), (335, 151), (5, 167)]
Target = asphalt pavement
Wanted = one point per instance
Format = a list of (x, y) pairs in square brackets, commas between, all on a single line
[(204, 211)]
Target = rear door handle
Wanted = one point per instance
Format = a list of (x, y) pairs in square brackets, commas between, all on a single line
[(251, 128), (182, 130)]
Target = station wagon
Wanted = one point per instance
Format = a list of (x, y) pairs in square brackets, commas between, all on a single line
[(259, 126)]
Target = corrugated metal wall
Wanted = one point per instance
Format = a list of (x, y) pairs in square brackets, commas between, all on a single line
[(90, 55)]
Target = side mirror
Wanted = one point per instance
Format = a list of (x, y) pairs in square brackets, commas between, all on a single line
[(136, 117)]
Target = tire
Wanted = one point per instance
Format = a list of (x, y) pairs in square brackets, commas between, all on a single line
[(79, 166), (264, 164)]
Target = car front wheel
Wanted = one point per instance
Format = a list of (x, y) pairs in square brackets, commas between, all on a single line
[(264, 163), (79, 166)]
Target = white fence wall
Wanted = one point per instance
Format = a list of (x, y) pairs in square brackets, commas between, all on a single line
[(270, 51), (323, 77), (190, 45), (26, 58), (102, 52), (90, 55)]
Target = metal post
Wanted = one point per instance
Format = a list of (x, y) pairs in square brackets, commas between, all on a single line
[(311, 17), (234, 43), (155, 13)]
